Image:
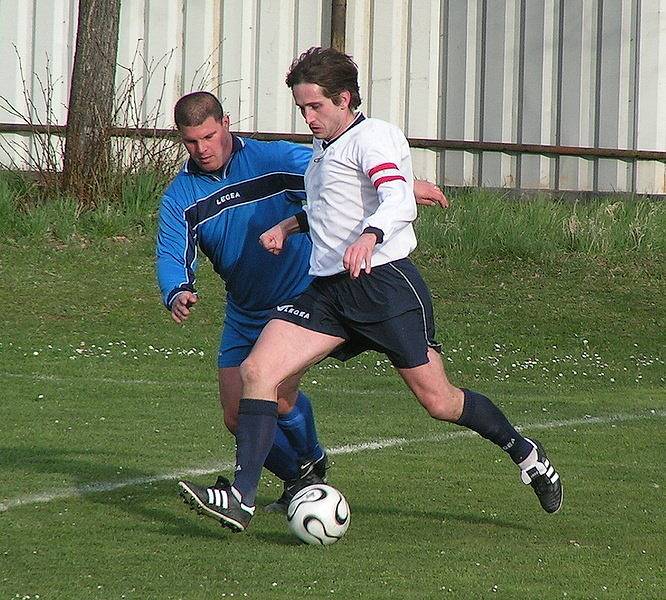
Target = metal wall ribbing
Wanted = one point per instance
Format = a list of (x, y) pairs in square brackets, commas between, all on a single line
[(555, 72)]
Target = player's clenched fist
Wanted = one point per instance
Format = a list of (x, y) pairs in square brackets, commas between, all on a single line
[(273, 239)]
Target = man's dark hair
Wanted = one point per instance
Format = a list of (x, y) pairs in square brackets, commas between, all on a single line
[(193, 109), (333, 71)]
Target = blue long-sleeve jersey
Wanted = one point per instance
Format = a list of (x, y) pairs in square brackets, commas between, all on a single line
[(224, 213)]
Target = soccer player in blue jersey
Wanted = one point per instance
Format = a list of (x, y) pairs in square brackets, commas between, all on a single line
[(230, 190), (366, 293)]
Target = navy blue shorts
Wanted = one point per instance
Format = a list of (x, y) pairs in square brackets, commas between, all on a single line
[(389, 311)]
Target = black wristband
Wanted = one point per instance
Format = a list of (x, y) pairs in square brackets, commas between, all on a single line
[(379, 234), (302, 218)]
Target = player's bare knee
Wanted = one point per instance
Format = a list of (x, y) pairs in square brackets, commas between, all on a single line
[(444, 406), (441, 413), (250, 371), (254, 373)]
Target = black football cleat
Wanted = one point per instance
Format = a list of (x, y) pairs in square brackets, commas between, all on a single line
[(221, 501), (536, 470), (310, 472)]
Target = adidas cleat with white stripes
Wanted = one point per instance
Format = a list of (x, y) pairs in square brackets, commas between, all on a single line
[(221, 501), (537, 471)]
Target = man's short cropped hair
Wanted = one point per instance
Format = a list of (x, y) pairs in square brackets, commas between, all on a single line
[(333, 71), (193, 109)]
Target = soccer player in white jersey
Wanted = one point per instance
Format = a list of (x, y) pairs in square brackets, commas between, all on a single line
[(366, 293)]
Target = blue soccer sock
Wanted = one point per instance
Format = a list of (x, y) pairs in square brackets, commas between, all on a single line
[(299, 428), (282, 459), (481, 415), (257, 420)]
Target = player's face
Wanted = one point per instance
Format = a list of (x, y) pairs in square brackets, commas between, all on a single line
[(325, 119), (209, 144)]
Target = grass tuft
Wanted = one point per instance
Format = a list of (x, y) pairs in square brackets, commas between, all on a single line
[(479, 224), (32, 212), (485, 224)]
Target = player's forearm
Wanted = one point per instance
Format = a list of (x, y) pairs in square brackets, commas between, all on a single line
[(397, 209), (288, 227), (175, 266), (174, 275), (298, 223)]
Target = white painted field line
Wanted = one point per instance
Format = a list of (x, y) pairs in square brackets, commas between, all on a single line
[(91, 488), (211, 385), (111, 381), (108, 486), (441, 437)]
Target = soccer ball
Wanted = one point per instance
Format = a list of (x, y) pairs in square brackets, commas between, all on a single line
[(318, 514)]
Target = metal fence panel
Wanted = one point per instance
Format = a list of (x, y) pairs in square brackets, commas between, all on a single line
[(651, 93), (555, 72)]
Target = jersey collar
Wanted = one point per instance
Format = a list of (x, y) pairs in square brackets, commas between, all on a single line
[(191, 167), (359, 117)]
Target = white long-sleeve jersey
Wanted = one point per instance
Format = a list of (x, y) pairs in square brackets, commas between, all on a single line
[(361, 179)]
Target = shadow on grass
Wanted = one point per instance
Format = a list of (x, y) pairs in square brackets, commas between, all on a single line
[(153, 506), (436, 517), (93, 480)]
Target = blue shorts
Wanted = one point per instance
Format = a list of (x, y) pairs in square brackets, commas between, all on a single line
[(240, 332)]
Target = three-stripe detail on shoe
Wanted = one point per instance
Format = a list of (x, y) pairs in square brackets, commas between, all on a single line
[(551, 473), (541, 468), (218, 497)]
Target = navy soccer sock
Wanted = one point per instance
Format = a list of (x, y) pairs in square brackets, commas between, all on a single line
[(481, 415), (282, 459), (255, 434), (299, 428)]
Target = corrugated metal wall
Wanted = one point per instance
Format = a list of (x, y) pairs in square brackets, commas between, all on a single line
[(568, 72), (556, 72)]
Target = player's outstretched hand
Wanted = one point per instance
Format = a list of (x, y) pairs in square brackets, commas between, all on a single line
[(429, 194), (273, 239), (180, 309), (358, 256)]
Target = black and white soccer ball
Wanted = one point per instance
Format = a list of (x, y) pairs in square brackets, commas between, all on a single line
[(318, 514)]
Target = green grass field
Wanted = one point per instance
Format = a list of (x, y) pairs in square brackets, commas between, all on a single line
[(106, 403)]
